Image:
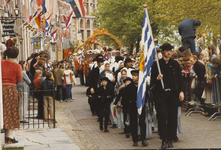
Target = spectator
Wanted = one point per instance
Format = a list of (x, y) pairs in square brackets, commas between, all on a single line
[(11, 74), (187, 31), (48, 84), (38, 93), (23, 90), (200, 71), (69, 79), (58, 73)]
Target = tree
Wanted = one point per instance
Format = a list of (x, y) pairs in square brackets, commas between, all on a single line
[(124, 19), (207, 11)]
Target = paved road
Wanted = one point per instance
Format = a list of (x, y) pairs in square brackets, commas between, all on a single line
[(76, 120)]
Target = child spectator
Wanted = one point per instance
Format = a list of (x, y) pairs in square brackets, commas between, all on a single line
[(48, 84), (38, 94)]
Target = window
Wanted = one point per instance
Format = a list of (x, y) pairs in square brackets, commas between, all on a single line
[(94, 24), (82, 33), (81, 23), (88, 33), (87, 8), (88, 24)]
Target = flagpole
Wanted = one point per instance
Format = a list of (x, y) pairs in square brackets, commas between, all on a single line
[(23, 23), (157, 61), (158, 67)]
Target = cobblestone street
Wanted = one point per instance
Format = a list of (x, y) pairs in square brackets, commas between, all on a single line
[(76, 120)]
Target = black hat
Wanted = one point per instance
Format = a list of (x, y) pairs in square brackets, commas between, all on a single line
[(134, 71), (127, 60), (105, 78), (128, 79), (118, 58), (166, 46), (100, 60), (99, 55)]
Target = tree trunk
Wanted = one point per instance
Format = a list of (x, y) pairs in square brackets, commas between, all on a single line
[(131, 49), (137, 45)]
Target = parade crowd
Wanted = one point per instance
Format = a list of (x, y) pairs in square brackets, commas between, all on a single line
[(188, 78)]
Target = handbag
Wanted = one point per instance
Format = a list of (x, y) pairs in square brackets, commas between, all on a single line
[(64, 82), (205, 85), (193, 83)]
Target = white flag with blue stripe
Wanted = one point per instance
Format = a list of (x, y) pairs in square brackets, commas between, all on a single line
[(146, 60)]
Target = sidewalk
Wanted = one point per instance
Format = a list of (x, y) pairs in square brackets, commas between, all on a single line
[(43, 139)]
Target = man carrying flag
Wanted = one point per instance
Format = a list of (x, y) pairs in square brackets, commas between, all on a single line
[(167, 92)]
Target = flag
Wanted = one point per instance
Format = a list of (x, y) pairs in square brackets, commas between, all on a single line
[(39, 2), (68, 21), (49, 16), (80, 10), (61, 40), (53, 35), (32, 16), (65, 18), (38, 21), (106, 55), (44, 10), (146, 60)]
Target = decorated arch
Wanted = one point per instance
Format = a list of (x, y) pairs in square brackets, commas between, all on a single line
[(91, 39), (82, 45)]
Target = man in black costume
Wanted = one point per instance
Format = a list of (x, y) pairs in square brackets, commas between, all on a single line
[(167, 97)]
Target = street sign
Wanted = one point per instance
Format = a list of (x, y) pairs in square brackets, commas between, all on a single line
[(37, 43), (8, 28)]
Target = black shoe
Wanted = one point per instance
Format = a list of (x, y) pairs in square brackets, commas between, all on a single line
[(144, 143), (139, 138), (170, 145), (176, 139), (24, 121), (135, 144), (114, 125), (106, 130), (101, 128), (164, 144), (10, 140), (127, 135)]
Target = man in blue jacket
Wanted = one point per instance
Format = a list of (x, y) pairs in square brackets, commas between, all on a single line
[(187, 30)]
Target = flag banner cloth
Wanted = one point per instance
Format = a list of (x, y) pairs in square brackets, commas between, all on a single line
[(106, 55), (53, 35), (79, 11), (69, 20), (146, 60)]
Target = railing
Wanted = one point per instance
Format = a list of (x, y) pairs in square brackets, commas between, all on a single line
[(31, 105)]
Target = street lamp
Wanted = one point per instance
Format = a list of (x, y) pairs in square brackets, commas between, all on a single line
[(21, 40), (16, 11)]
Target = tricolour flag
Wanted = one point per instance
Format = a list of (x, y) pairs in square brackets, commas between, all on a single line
[(68, 21), (53, 35), (79, 4), (146, 60)]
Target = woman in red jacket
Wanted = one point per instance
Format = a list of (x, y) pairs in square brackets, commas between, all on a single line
[(11, 74)]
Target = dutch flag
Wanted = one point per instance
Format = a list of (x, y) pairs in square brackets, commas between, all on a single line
[(146, 60), (68, 21)]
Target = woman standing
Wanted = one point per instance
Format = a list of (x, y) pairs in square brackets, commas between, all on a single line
[(23, 90), (11, 74), (69, 80)]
